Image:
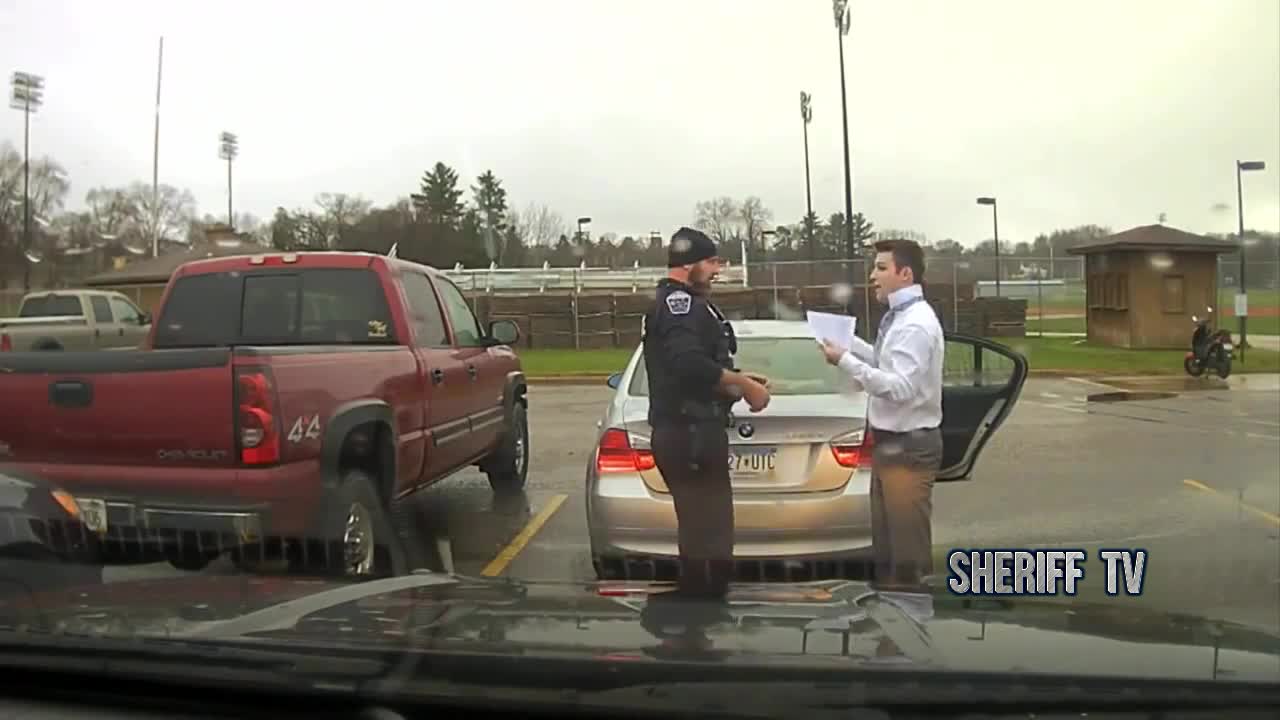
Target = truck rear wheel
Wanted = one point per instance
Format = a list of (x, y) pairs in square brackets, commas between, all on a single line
[(46, 345), (508, 467), (355, 531)]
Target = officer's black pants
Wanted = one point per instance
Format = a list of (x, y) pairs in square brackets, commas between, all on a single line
[(694, 462)]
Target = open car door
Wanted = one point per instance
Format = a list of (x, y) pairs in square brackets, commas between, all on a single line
[(981, 381)]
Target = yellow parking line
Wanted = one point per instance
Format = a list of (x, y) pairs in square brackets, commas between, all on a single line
[(509, 553), (1270, 517)]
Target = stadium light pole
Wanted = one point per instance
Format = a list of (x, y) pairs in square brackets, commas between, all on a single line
[(806, 116), (28, 95), (228, 149)]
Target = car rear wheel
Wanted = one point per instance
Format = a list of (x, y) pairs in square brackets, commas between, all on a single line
[(508, 467), (608, 567)]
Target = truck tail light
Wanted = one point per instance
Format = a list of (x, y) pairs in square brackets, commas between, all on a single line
[(853, 450), (615, 454), (6, 343), (257, 417)]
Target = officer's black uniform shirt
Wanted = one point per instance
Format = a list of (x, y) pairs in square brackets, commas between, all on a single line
[(687, 343)]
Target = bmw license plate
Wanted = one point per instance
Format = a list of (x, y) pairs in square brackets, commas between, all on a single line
[(93, 513), (752, 460)]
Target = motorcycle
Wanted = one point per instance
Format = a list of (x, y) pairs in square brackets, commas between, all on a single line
[(1209, 350)]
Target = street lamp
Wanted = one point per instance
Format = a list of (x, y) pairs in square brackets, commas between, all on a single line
[(228, 149), (995, 225), (1242, 305), (28, 95)]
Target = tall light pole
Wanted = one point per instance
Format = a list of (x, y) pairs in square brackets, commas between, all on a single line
[(841, 11), (995, 226), (1241, 168), (806, 116), (155, 163), (28, 95), (228, 149)]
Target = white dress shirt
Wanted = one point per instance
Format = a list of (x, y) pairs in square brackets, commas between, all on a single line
[(904, 387)]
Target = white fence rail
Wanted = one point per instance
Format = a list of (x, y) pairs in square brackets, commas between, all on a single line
[(579, 279)]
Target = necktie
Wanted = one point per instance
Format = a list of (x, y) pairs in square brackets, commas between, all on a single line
[(886, 321)]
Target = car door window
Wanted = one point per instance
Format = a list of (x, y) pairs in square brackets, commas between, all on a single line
[(466, 329), (101, 310), (981, 382), (125, 312), (965, 364), (424, 310)]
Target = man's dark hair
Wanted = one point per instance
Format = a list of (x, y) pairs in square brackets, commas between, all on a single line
[(906, 254)]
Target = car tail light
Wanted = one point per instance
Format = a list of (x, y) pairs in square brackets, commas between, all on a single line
[(257, 418), (615, 454), (6, 343), (853, 449)]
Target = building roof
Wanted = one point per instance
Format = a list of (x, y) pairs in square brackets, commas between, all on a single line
[(1156, 237), (158, 269)]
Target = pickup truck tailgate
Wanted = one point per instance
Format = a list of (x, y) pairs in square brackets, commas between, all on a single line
[(165, 408)]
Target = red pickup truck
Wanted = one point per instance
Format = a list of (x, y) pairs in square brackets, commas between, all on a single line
[(279, 400)]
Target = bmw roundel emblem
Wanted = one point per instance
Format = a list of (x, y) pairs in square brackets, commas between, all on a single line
[(746, 430)]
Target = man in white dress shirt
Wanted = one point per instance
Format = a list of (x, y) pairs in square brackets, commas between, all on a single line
[(902, 376)]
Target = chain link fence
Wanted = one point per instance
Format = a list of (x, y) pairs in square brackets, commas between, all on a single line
[(1053, 287)]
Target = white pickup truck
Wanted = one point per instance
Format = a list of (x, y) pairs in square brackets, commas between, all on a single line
[(74, 320)]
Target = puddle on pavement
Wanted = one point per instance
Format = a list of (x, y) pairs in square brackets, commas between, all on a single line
[(1126, 395), (1167, 385)]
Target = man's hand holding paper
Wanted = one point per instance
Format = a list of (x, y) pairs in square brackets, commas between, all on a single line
[(828, 326)]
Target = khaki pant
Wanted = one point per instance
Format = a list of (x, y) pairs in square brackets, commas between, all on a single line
[(903, 468)]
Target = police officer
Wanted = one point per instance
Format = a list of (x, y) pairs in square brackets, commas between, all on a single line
[(688, 355)]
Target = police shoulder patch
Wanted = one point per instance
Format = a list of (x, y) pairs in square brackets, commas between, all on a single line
[(679, 302)]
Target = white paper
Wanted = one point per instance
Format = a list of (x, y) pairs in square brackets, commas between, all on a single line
[(827, 326)]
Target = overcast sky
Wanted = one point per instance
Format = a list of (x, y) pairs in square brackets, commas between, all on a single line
[(1086, 112)]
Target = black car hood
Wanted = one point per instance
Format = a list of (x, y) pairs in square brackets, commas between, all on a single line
[(823, 624)]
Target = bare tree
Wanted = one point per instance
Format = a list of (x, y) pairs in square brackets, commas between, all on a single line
[(165, 217), (110, 210), (48, 188), (539, 225), (340, 211), (312, 231), (342, 208), (718, 217), (756, 218)]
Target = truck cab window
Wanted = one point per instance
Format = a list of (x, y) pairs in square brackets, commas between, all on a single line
[(101, 309), (466, 329), (428, 322)]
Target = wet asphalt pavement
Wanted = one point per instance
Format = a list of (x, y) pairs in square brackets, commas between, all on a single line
[(1194, 479)]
